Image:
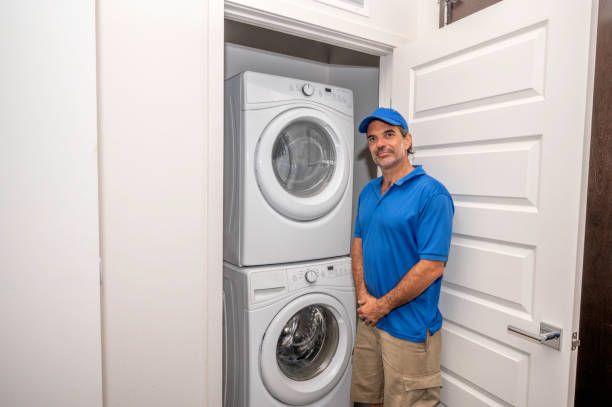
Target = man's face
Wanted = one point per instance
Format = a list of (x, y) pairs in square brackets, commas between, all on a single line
[(387, 145)]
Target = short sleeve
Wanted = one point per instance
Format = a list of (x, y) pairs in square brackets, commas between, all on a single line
[(435, 228)]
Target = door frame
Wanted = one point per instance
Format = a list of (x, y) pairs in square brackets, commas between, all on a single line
[(583, 197), (214, 188), (288, 25), (213, 209), (590, 269)]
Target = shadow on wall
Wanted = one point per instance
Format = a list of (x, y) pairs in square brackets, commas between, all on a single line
[(364, 155)]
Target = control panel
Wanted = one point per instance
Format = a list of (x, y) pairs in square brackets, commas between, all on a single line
[(322, 92), (333, 274), (263, 88)]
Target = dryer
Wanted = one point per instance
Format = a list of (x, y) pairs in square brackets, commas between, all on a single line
[(287, 170), (288, 334)]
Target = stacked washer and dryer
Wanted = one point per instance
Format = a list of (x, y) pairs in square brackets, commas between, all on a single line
[(289, 302)]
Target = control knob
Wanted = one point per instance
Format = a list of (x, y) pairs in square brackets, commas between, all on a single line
[(308, 89), (311, 276)]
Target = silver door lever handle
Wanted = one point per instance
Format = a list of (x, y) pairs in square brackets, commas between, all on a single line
[(549, 335)]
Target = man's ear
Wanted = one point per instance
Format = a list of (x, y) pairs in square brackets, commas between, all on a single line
[(409, 139)]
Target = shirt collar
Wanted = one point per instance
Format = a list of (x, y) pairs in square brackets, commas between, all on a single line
[(418, 171)]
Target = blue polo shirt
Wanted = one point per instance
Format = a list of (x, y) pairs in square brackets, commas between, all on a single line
[(410, 222)]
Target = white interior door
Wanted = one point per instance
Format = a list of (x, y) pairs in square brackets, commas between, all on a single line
[(496, 104)]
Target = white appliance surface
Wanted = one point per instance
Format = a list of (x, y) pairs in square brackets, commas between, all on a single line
[(288, 334), (287, 170)]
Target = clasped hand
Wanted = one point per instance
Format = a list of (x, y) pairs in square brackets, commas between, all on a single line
[(371, 309)]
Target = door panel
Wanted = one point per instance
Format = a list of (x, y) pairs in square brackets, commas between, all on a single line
[(518, 62), (50, 327), (496, 104)]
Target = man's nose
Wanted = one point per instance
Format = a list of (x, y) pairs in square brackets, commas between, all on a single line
[(381, 142)]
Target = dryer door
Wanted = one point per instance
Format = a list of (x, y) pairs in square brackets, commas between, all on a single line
[(306, 349), (302, 164)]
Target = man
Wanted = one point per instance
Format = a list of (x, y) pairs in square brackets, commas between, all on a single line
[(401, 243)]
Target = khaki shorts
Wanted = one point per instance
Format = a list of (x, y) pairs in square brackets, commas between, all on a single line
[(395, 371)]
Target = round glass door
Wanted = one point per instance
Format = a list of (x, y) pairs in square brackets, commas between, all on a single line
[(302, 163), (307, 343), (303, 158), (306, 349)]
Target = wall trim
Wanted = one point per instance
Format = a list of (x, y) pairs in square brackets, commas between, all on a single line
[(213, 209), (260, 18), (385, 81)]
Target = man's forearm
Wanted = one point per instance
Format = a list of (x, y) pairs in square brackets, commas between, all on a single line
[(420, 276), (416, 280), (357, 268)]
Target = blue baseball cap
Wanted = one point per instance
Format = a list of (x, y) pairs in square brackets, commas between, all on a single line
[(386, 115)]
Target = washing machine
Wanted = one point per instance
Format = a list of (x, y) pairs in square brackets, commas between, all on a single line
[(288, 166), (288, 334)]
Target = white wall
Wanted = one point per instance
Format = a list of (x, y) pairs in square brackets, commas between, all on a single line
[(161, 153), (239, 58), (391, 22), (50, 351), (363, 81)]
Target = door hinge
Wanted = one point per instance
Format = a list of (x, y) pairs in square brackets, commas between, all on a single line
[(447, 11), (575, 340)]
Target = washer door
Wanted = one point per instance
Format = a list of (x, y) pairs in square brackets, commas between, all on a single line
[(301, 164), (306, 349)]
